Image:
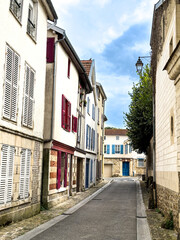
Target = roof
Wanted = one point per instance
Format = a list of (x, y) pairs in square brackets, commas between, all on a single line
[(159, 3), (51, 13), (87, 65), (122, 132)]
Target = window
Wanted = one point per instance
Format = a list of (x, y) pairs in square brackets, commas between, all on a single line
[(98, 93), (11, 84), (140, 162), (117, 137), (79, 129), (126, 149), (98, 115), (69, 68), (61, 169), (16, 8), (6, 173), (104, 137), (88, 137), (28, 97), (74, 124), (97, 142), (117, 149), (105, 148), (130, 149), (24, 173), (50, 50), (32, 19), (102, 121), (88, 105), (93, 112), (66, 114)]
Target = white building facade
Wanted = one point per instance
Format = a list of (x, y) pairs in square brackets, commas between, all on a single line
[(22, 85)]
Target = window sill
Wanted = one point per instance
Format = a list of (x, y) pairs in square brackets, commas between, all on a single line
[(14, 15), (33, 39), (61, 189)]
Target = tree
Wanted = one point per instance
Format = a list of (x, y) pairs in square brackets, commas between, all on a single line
[(139, 119)]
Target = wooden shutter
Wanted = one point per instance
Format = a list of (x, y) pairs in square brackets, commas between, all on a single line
[(74, 124), (65, 170), (50, 50), (25, 173), (58, 170), (87, 141), (108, 149), (28, 97), (121, 149), (89, 138), (68, 116), (113, 149), (14, 87), (11, 84), (63, 115), (6, 173)]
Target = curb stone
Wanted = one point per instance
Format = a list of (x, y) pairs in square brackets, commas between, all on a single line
[(143, 232)]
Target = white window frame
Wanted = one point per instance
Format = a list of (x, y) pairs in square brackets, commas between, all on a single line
[(117, 149), (141, 160), (32, 19)]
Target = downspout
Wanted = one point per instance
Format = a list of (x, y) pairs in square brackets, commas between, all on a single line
[(54, 85), (154, 148), (102, 170)]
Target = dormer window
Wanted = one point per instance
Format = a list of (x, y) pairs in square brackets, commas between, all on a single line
[(32, 19), (16, 8)]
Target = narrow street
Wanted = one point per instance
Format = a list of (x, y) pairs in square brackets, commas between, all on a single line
[(110, 215)]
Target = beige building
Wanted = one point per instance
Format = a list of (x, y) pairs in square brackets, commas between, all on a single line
[(166, 75), (101, 96), (119, 158), (22, 84)]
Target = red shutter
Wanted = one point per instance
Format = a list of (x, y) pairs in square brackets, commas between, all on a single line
[(74, 124), (65, 171), (68, 116), (63, 114), (59, 170), (50, 50), (69, 66)]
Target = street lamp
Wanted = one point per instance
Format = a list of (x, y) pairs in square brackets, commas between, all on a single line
[(139, 64)]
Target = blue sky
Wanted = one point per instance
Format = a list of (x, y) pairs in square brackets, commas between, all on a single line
[(114, 33)]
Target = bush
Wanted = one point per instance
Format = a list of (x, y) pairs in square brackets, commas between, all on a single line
[(168, 222)]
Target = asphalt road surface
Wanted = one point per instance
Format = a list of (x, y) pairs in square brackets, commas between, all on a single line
[(111, 215)]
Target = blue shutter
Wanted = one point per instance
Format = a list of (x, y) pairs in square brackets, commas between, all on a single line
[(121, 149), (130, 149), (89, 138), (108, 149), (126, 149), (86, 136), (113, 149)]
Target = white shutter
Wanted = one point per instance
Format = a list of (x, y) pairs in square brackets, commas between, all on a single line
[(31, 96), (6, 174), (8, 83), (15, 87), (26, 97), (28, 161), (25, 173), (22, 173)]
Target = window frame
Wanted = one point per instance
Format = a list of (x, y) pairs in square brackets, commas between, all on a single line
[(13, 9), (142, 161)]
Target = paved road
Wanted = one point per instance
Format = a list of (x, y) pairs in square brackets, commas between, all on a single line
[(111, 215)]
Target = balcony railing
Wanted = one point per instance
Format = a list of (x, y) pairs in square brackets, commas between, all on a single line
[(31, 28), (16, 9)]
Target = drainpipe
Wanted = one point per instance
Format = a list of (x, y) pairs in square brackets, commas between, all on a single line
[(54, 84)]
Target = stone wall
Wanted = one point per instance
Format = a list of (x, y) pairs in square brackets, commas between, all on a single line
[(167, 200)]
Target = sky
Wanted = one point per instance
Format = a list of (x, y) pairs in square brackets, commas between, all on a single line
[(114, 33)]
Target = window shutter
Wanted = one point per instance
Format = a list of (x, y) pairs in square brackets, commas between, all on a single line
[(121, 149), (69, 116), (22, 174), (31, 97), (89, 138), (8, 83), (63, 115), (88, 105), (87, 128), (79, 129), (26, 96), (74, 124), (27, 176), (113, 149), (50, 50), (6, 173), (59, 170), (65, 171), (108, 149), (15, 87)]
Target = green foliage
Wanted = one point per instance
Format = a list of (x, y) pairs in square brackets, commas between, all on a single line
[(139, 120), (168, 223)]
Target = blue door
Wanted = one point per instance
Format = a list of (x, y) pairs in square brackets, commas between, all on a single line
[(87, 173), (125, 168)]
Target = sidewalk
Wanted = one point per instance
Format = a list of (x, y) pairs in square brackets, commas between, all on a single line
[(155, 219), (14, 230)]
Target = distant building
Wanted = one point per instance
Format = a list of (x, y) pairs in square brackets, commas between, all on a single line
[(119, 157)]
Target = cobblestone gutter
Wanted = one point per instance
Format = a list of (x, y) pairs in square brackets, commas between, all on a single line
[(17, 229), (155, 219)]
